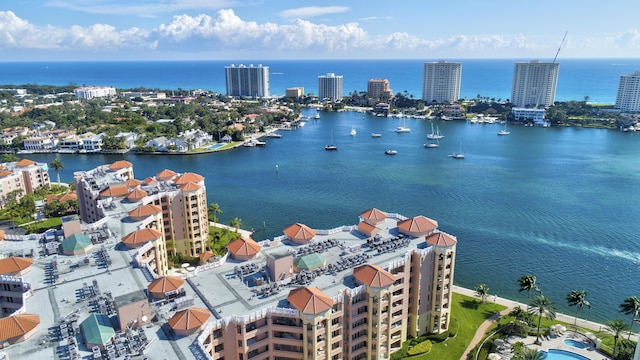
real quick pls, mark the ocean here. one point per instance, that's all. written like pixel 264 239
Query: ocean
pixel 596 79
pixel 560 203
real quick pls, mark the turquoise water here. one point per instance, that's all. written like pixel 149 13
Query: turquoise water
pixel 215 146
pixel 575 343
pixel 554 354
pixel 561 203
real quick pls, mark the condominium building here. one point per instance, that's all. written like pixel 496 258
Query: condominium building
pixel 294 92
pixel 250 81
pixel 167 212
pixel 330 87
pixel 25 176
pixel 379 89
pixel 441 82
pixel 628 98
pixel 330 294
pixel 534 83
pixel 90 92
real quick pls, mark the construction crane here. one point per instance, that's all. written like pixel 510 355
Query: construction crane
pixel 553 62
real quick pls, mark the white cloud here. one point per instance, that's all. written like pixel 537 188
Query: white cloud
pixel 142 8
pixel 312 11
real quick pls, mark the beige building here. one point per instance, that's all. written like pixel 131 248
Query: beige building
pixel 25 175
pixel 379 89
pixel 294 92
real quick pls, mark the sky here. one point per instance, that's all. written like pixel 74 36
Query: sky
pixel 87 30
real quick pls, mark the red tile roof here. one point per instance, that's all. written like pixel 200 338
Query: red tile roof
pixel 373 276
pixel 365 226
pixel 166 174
pixel 244 247
pixel 165 284
pixel 187 178
pixel 374 215
pixel 131 183
pixel 441 239
pixel 5 173
pixel 13 265
pixel 299 231
pixel 189 319
pixel 141 236
pixel 17 325
pixel 25 163
pixel 206 255
pixel 418 224
pixel 136 195
pixel 190 187
pixel 120 164
pixel 115 190
pixel 309 300
pixel 68 196
pixel 144 211
pixel 150 181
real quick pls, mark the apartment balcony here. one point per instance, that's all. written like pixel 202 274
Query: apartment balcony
pixel 288 341
pixel 261 356
pixel 253 343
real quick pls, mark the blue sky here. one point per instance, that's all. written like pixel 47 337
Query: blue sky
pixel 32 30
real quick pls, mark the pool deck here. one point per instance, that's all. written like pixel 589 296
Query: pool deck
pixel 556 343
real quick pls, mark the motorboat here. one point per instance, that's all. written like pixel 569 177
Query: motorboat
pixel 431 144
pixel 274 135
pixel 376 135
pixel 402 129
pixel 391 152
pixel 353 131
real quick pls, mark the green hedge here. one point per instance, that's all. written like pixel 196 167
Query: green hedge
pixel 423 347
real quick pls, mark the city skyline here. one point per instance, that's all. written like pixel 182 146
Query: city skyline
pixel 49 30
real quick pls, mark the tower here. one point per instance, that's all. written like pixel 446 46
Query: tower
pixel 249 80
pixel 330 87
pixel 534 83
pixel 628 97
pixel 441 82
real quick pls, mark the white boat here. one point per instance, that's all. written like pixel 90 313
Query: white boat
pixel 435 135
pixel 301 124
pixel 353 131
pixel 376 135
pixel 457 155
pixel 504 131
pixel 254 143
pixel 432 144
pixel 333 145
pixel 391 152
pixel 274 135
pixel 317 115
pixel 403 128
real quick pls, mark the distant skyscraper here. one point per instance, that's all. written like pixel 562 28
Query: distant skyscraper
pixel 330 87
pixel 441 82
pixel 628 98
pixel 379 89
pixel 534 83
pixel 247 80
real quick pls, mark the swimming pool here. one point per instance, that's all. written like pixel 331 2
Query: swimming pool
pixel 215 146
pixel 575 343
pixel 555 354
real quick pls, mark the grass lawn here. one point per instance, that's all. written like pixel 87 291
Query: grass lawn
pixel 469 313
pixel 44 225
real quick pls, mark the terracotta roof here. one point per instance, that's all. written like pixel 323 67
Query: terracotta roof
pixel 14 264
pixel 244 246
pixel 299 231
pixel 17 325
pixel 50 198
pixel 136 195
pixel 190 187
pixel 165 284
pixel 442 239
pixel 120 164
pixel 166 174
pixel 374 215
pixel 68 196
pixel 206 255
pixel 5 173
pixel 25 163
pixel 373 275
pixel 418 224
pixel 189 319
pixel 131 183
pixel 187 178
pixel 141 236
pixel 309 300
pixel 150 181
pixel 363 225
pixel 115 190
pixel 145 210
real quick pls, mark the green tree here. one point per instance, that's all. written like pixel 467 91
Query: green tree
pixel 578 298
pixel 214 210
pixel 527 283
pixel 482 291
pixel 521 315
pixel 236 223
pixel 542 306
pixel 630 306
pixel 616 327
pixel 57 166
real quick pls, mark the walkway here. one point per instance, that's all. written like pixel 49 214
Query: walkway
pixel 244 233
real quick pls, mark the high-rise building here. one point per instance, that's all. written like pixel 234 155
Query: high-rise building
pixel 534 83
pixel 379 89
pixel 330 87
pixel 20 178
pixel 441 82
pixel 628 98
pixel 249 80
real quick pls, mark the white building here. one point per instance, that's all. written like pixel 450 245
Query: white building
pixel 330 87
pixel 90 92
pixel 39 143
pixel 528 114
pixel 441 82
pixel 628 98
pixel 534 83
pixel 252 81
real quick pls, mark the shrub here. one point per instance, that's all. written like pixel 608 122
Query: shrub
pixel 453 328
pixel 421 348
pixel 438 337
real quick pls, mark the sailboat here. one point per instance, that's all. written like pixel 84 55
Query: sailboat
pixel 353 131
pixel 432 144
pixel 459 154
pixel 403 128
pixel 435 135
pixel 333 145
pixel 504 131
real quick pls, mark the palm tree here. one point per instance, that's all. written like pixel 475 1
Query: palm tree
pixel 482 291
pixel 57 166
pixel 630 306
pixel 616 327
pixel 214 209
pixel 531 354
pixel 236 223
pixel 527 283
pixel 578 298
pixel 542 306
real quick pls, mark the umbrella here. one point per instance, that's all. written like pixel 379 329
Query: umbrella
pixel 494 356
